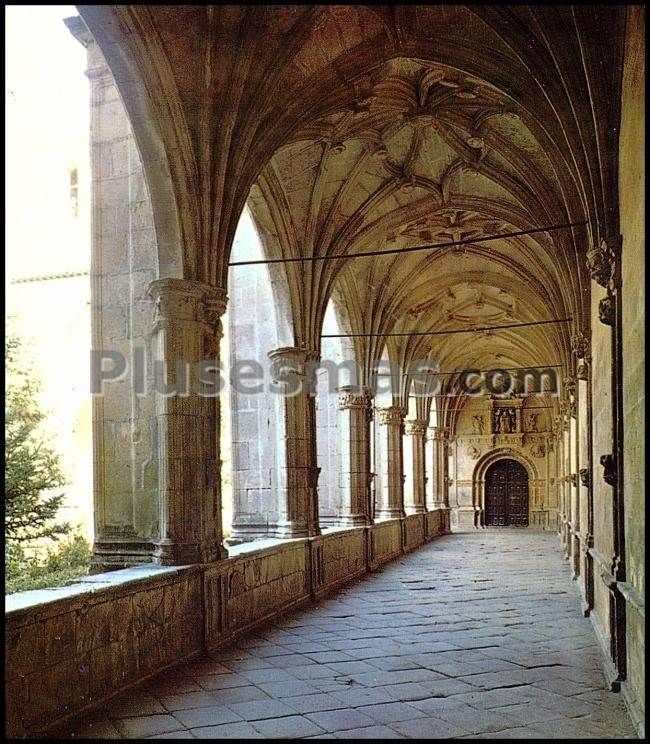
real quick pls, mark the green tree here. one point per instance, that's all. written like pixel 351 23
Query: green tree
pixel 31 465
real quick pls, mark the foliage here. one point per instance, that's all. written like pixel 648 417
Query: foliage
pixel 63 563
pixel 31 465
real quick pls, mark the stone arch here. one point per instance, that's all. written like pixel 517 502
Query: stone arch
pixel 480 471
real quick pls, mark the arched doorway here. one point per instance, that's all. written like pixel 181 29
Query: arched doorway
pixel 506 494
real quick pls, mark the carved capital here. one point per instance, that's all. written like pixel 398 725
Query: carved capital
pixel 573 478
pixel 601 259
pixel 416 427
pixel 294 360
pixel 391 415
pixel 582 370
pixel 353 397
pixel 580 345
pixel 184 300
pixel 609 469
pixel 441 434
pixel 606 310
pixel 585 477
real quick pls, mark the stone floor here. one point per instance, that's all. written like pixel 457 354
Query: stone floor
pixel 477 635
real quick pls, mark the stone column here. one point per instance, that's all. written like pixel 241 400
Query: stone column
pixel 431 462
pixel 355 404
pixel 187 330
pixel 391 422
pixel 441 491
pixel 580 345
pixel 297 476
pixel 417 430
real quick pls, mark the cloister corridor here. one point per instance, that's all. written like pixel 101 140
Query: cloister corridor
pixel 475 635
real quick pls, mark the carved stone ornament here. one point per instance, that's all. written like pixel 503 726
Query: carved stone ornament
pixel 391 415
pixel 353 398
pixel 473 453
pixel 585 477
pixel 609 469
pixel 574 479
pixel 537 449
pixel 582 371
pixel 569 385
pixel 416 426
pixel 606 310
pixel 600 262
pixel 580 345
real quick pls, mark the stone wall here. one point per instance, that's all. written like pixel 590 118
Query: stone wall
pixel 631 189
pixel 70 649
pixel 532 444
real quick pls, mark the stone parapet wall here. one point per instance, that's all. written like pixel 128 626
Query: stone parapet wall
pixel 72 648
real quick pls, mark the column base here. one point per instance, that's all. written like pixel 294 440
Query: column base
pixel 353 520
pixel 114 554
pixel 170 553
pixel 390 514
pixel 419 509
pixel 291 531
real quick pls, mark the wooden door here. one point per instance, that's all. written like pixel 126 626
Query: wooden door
pixel 506 495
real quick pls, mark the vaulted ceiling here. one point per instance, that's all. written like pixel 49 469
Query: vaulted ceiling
pixel 364 128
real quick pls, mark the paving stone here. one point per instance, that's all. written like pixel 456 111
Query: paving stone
pixel 188 700
pixel 257 710
pixel 315 703
pixel 173 735
pixel 223 681
pixel 290 727
pixel 266 675
pixel 341 720
pixel 391 712
pixel 228 731
pixel 428 728
pixel 315 671
pixel 143 726
pixel 429 647
pixel 196 717
pixel 239 695
pixel 371 732
pixel 287 688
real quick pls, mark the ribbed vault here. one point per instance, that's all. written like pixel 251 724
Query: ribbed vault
pixel 357 129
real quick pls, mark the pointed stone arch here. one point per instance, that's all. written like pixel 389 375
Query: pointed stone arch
pixel 480 470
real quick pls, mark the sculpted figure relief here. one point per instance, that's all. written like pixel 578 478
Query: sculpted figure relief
pixel 478 424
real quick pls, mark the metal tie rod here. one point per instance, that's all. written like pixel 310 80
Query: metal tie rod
pixel 444 333
pixel 411 249
pixel 495 367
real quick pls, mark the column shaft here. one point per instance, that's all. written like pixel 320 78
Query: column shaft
pixel 391 422
pixel 417 430
pixel 187 330
pixel 355 456
pixel 297 481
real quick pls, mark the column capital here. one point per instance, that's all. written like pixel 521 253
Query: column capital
pixel 187 300
pixel 352 396
pixel 440 433
pixel 416 427
pixel 294 355
pixel 391 415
